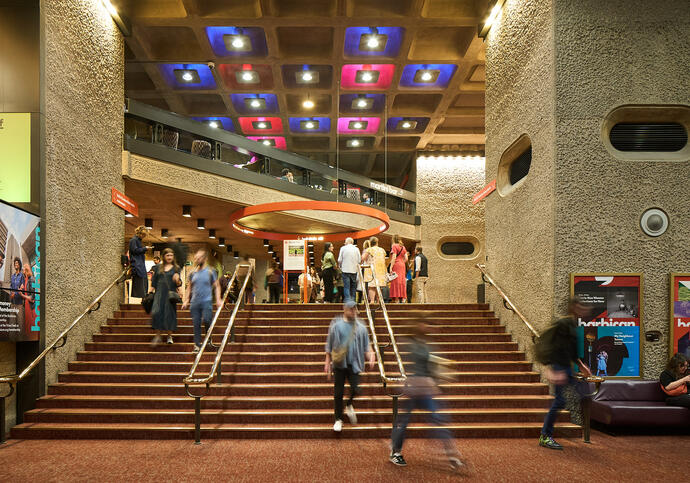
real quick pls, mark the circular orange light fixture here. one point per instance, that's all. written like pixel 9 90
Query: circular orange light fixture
pixel 378 215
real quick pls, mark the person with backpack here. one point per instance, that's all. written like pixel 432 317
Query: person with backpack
pixel 198 297
pixel 346 347
pixel 556 348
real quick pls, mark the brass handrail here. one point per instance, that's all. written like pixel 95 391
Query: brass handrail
pixel 382 371
pixel 190 379
pixel 12 380
pixel 507 303
pixel 93 306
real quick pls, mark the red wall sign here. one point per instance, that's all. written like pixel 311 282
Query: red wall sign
pixel 486 191
pixel 125 203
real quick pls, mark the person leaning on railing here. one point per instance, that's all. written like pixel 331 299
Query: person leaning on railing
pixel 675 381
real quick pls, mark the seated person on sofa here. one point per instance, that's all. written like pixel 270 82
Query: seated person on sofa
pixel 675 380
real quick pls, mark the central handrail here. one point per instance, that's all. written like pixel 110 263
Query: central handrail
pixel 507 303
pixel 382 371
pixel 190 379
pixel 12 380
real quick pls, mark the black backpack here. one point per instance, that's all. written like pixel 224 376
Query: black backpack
pixel 544 346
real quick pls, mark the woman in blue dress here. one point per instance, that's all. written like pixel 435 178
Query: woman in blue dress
pixel 166 278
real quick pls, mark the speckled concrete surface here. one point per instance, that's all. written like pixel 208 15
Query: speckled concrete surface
pixel 82 99
pixel 608 458
pixel 444 201
pixel 607 55
pixel 520 100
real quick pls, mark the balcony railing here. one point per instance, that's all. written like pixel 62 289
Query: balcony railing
pixel 163 135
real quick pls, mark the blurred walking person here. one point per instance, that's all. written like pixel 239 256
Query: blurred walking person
pixel 203 285
pixel 165 283
pixel 137 261
pixel 421 387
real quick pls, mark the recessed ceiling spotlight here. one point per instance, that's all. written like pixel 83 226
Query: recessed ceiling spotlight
pixel 214 124
pixel 237 43
pixel 187 211
pixel 187 76
pixel 362 102
pixel 268 142
pixel 373 42
pixel 357 125
pixel 221 242
pixel 307 77
pixel 148 223
pixel 261 124
pixel 255 103
pixel 407 124
pixel 426 76
pixel 266 242
pixel 164 233
pixel 247 77
pixel 270 249
pixel 353 143
pixel 308 104
pixel 236 254
pixel 367 76
pixel 200 224
pixel 228 248
pixel 309 125
pixel 212 233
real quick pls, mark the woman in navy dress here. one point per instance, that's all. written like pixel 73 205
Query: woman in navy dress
pixel 165 279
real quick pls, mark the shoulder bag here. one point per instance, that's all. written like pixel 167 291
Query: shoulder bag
pixel 173 296
pixel 338 354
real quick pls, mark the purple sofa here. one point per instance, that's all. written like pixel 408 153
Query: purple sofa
pixel 632 402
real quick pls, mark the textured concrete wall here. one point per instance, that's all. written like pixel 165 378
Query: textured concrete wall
pixel 82 99
pixel 157 172
pixel 444 201
pixel 610 54
pixel 520 100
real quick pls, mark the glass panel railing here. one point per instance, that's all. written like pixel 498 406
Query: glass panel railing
pixel 163 129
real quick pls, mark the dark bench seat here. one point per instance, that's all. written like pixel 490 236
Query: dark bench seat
pixel 636 403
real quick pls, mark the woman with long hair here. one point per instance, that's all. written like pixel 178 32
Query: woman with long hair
pixel 273 278
pixel 397 265
pixel 375 256
pixel 675 381
pixel 315 284
pixel 328 271
pixel 165 279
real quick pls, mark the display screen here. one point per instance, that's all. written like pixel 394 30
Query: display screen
pixel 20 274
pixel 15 157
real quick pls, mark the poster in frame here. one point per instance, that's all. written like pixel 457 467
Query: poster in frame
pixel 679 333
pixel 610 339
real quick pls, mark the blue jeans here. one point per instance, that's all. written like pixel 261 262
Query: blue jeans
pixel 427 403
pixel 202 311
pixel 349 286
pixel 559 400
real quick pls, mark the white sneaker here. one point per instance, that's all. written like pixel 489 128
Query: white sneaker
pixel 155 341
pixel 338 426
pixel 196 349
pixel 169 341
pixel 352 416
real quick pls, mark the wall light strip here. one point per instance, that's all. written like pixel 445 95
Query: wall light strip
pixel 495 10
pixel 121 21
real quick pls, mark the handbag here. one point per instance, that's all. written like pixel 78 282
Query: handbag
pixel 679 391
pixel 338 354
pixel 173 296
pixel 390 276
pixel 147 302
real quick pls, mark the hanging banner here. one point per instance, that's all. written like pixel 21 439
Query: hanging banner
pixel 680 314
pixel 294 255
pixel 610 338
pixel 15 157
pixel 20 274
pixel 124 202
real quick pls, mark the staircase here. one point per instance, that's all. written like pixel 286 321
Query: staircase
pixel 273 385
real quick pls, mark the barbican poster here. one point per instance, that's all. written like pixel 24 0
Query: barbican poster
pixel 680 313
pixel 609 338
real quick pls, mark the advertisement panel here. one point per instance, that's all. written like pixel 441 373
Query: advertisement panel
pixel 680 314
pixel 20 274
pixel 610 338
pixel 294 255
pixel 15 157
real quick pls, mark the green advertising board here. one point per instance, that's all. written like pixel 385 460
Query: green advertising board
pixel 15 157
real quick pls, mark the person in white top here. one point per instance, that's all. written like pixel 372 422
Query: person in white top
pixel 348 260
pixel 421 275
pixel 304 281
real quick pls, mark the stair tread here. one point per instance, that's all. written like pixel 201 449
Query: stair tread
pixel 444 397
pixel 260 374
pixel 278 411
pixel 286 385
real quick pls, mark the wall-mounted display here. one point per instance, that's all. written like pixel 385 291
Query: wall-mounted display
pixel 609 338
pixel 294 255
pixel 680 314
pixel 20 274
pixel 15 157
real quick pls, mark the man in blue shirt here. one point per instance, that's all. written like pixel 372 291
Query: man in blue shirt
pixel 202 283
pixel 347 333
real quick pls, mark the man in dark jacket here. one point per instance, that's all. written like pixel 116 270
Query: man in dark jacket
pixel 559 367
pixel 140 281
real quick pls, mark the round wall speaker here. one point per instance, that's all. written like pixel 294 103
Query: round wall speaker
pixel 654 222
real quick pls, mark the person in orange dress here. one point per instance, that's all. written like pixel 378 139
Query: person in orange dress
pixel 398 262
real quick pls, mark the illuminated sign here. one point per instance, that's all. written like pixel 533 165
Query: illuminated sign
pixel 386 188
pixel 15 157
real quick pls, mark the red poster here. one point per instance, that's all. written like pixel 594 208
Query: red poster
pixel 124 202
pixel 680 313
pixel 486 191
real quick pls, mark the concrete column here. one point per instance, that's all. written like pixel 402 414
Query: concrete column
pixel 555 70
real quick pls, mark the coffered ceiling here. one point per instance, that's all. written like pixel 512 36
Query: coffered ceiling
pixel 364 83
